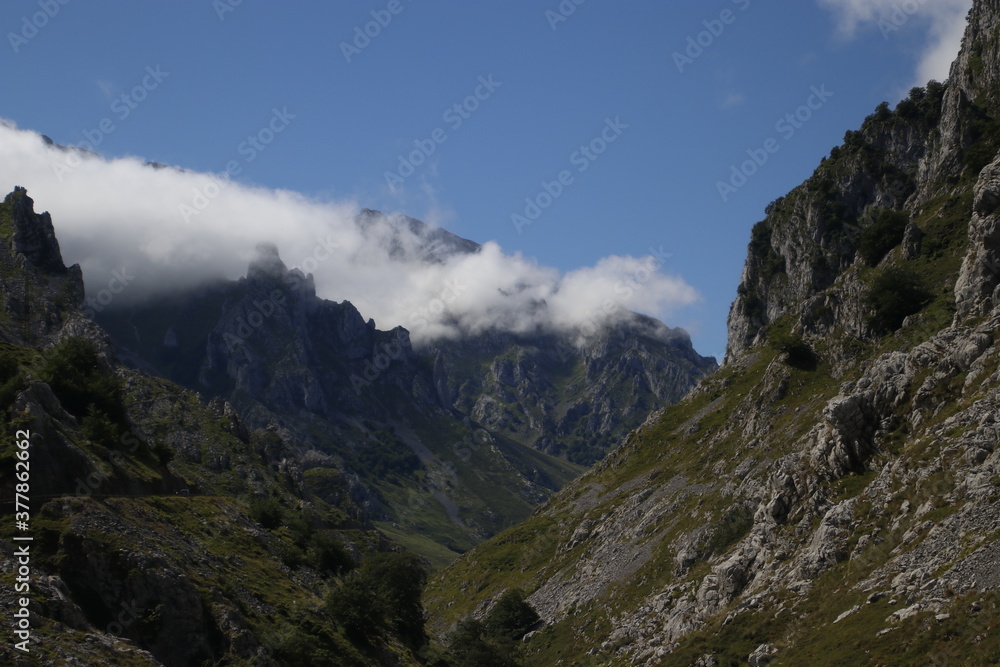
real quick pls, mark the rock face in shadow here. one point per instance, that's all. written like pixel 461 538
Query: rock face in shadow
pixel 37 289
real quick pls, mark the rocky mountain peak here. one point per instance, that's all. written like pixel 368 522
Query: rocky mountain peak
pixel 38 293
pixel 410 239
pixel 32 234
pixel 267 262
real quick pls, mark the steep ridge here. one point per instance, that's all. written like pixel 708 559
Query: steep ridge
pixel 827 497
pixel 164 531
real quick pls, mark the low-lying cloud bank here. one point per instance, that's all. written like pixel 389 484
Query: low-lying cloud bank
pixel 166 229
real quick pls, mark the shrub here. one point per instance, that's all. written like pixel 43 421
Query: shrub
pixel 327 554
pixel 494 641
pixel 895 293
pixel 385 592
pixel 512 616
pixel 355 606
pixel 266 511
pixel 735 525
pixel 11 380
pixel 882 235
pixel 83 382
pixel 771 263
pixel 470 645
pixel 798 353
pixel 98 427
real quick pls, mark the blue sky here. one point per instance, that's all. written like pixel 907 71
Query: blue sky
pixel 534 84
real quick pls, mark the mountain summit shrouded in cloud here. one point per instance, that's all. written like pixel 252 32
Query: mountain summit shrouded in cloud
pixel 147 230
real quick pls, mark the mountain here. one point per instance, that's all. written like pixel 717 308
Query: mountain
pixel 444 444
pixel 570 400
pixel 164 530
pixel 409 239
pixel 827 497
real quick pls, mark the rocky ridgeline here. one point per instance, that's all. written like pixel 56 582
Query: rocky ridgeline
pixel 828 496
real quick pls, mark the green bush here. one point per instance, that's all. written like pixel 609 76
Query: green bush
pixel 882 235
pixel 327 554
pixel 98 427
pixel 798 353
pixel 771 263
pixel 511 617
pixel 267 512
pixel 494 641
pixel 355 605
pixel 472 647
pixel 83 383
pixel 894 294
pixel 735 525
pixel 384 593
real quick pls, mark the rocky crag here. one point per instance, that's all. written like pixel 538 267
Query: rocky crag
pixel 829 496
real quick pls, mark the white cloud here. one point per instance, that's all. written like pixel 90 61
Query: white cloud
pixel 121 214
pixel 943 20
pixel 732 100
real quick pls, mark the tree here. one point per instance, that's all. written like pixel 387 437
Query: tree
pixel 80 378
pixel 384 593
pixel 894 294
pixel 470 645
pixel 399 580
pixel 885 233
pixel 356 606
pixel 512 616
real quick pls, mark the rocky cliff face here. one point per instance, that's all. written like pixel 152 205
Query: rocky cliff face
pixel 571 400
pixel 829 496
